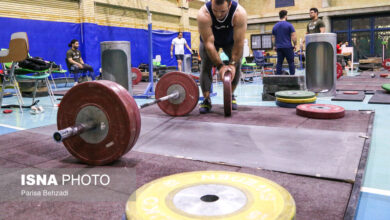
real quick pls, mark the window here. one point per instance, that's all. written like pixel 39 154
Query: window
pixel 381 37
pixel 342 37
pixel 361 43
pixel 283 3
pixel 382 22
pixel 367 34
pixel 360 23
pixel 340 25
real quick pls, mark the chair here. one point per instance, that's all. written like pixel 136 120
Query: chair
pixel 75 72
pixel 248 69
pixel 260 59
pixel 23 74
pixel 17 51
pixel 60 71
pixel 39 76
pixel 261 62
pixel 35 75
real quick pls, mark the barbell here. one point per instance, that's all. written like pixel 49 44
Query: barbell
pixel 99 121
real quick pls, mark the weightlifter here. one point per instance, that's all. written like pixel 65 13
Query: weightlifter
pixel 221 24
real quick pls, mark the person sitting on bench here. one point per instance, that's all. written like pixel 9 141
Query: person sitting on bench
pixel 75 63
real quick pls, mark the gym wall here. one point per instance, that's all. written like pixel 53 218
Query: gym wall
pixel 193 9
pixel 52 24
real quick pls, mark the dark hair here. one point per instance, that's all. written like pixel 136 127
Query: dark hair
pixel 314 9
pixel 72 42
pixel 220 2
pixel 282 14
pixel 179 33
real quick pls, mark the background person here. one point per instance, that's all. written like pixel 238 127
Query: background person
pixel 179 42
pixel 282 34
pixel 316 25
pixel 75 62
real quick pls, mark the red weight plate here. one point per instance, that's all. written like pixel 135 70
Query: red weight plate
pixel 138 73
pixel 351 92
pixel 339 70
pixel 227 94
pixel 189 98
pixel 384 75
pixel 320 111
pixel 386 64
pixel 120 110
pixel 136 114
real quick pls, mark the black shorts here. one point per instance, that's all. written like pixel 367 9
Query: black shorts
pixel 179 57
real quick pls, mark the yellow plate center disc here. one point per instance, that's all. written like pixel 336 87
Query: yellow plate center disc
pixel 211 195
pixel 297 101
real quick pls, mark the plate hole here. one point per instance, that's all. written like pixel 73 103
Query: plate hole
pixel 209 198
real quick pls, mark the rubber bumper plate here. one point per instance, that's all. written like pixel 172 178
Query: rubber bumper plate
pixel 386 87
pixel 320 111
pixel 289 105
pixel 107 104
pixel 295 94
pixel 227 94
pixel 297 101
pixel 350 92
pixel 211 195
pixel 188 93
pixel 138 75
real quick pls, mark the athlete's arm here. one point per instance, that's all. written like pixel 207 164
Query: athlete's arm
pixel 206 33
pixel 240 25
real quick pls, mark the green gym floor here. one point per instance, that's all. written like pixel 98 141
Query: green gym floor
pixel 374 200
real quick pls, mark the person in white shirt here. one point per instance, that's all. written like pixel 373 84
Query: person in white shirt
pixel 179 42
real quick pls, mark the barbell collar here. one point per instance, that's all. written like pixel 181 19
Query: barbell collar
pixel 68 132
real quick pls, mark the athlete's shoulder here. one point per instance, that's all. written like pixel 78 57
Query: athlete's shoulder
pixel 240 16
pixel 204 15
pixel 240 11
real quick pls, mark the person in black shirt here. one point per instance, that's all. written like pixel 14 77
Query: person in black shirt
pixel 75 62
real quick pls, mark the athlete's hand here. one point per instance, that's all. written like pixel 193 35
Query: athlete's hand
pixel 226 68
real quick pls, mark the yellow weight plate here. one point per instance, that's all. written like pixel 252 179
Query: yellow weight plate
pixel 296 101
pixel 211 195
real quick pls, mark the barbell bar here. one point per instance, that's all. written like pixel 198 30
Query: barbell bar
pixel 99 121
pixel 89 125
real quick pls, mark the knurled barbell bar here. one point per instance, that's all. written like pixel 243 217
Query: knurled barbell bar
pixel 99 121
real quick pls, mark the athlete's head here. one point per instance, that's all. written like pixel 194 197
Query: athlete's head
pixel 220 8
